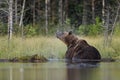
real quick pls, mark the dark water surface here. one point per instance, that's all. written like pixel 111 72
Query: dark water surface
pixel 60 70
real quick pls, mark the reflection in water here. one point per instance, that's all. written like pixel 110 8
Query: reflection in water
pixel 80 74
pixel 81 71
pixel 59 70
pixel 33 71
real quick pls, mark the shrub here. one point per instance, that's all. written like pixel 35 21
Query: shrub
pixel 117 30
pixel 30 30
pixel 92 29
pixel 3 29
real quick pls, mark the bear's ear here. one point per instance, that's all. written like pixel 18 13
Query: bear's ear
pixel 70 32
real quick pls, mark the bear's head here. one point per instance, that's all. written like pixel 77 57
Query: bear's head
pixel 67 37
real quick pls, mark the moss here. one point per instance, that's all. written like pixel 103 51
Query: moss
pixel 32 58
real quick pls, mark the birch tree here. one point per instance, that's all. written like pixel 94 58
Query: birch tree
pixel 61 13
pixel 110 14
pixel 104 24
pixel 16 12
pixel 34 12
pixel 84 18
pixel 93 11
pixel 22 12
pixel 46 16
pixel 10 20
pixel 66 9
pixel 115 21
pixel 53 11
pixel 21 17
pixel 103 12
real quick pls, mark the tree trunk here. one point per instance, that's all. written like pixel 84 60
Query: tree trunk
pixel 53 12
pixel 103 12
pixel 66 9
pixel 22 12
pixel 46 16
pixel 115 21
pixel 105 26
pixel 49 10
pixel 105 22
pixel 84 19
pixel 33 12
pixel 16 10
pixel 21 18
pixel 93 11
pixel 38 4
pixel 10 20
pixel 61 13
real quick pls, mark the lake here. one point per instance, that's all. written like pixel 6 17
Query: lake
pixel 60 70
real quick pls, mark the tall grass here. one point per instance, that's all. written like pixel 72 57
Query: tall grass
pixel 46 46
pixel 51 47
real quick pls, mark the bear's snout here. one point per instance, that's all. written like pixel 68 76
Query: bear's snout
pixel 59 34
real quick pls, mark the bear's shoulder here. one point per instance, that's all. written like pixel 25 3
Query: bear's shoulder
pixel 81 41
pixel 81 44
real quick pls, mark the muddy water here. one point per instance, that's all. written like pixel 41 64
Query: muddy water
pixel 60 70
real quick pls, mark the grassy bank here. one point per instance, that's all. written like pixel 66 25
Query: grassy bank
pixel 46 46
pixel 51 47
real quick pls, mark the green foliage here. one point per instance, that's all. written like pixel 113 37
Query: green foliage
pixel 75 12
pixel 3 29
pixel 82 30
pixel 92 29
pixel 30 30
pixel 117 30
pixel 95 29
pixel 67 22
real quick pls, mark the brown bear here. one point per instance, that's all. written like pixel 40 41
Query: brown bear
pixel 78 48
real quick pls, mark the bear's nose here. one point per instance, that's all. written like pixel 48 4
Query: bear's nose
pixel 58 34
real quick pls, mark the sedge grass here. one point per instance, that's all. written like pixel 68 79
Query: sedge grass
pixel 46 46
pixel 52 47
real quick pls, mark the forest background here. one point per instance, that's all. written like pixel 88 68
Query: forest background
pixel 29 26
